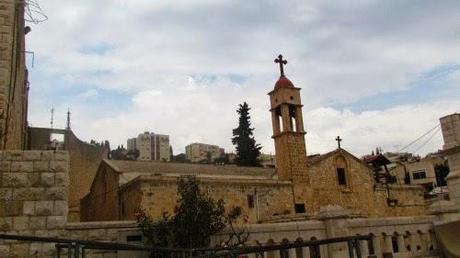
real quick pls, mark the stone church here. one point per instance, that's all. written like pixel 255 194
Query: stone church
pixel 296 189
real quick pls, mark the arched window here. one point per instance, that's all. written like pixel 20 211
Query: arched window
pixel 341 172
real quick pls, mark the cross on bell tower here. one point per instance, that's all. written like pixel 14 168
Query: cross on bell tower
pixel 288 130
pixel 282 62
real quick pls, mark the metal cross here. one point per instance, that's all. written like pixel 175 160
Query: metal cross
pixel 282 62
pixel 338 140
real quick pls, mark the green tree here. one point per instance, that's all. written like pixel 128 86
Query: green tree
pixel 197 217
pixel 247 150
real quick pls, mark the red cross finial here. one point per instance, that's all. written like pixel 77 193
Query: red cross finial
pixel 282 62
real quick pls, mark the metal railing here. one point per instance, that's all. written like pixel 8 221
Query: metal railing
pixel 78 248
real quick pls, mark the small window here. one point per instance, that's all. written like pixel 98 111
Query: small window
pixel 292 98
pixel 419 174
pixel 341 176
pixel 250 201
pixel 299 208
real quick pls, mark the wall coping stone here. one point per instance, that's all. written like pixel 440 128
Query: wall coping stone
pixel 100 225
pixel 332 212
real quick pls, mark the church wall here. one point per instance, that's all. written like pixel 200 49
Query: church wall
pixel 159 195
pixel 410 201
pixel 358 195
pixel 130 200
pixel 323 188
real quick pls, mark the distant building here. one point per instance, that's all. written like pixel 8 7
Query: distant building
pixel 151 146
pixel 405 168
pixel 267 160
pixel 203 153
pixel 131 144
pixel 423 172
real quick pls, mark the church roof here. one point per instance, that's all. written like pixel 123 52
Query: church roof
pixel 283 82
pixel 132 169
pixel 315 159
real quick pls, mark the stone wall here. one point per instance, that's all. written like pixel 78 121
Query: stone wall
pixel 13 76
pixel 399 236
pixel 101 204
pixel 157 193
pixel 84 162
pixel 269 197
pixel 33 196
pixel 359 195
pixel 34 202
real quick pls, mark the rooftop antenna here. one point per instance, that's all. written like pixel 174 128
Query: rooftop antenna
pixel 68 119
pixel 52 117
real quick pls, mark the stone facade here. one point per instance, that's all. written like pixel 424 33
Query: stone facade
pixel 358 193
pixel 34 202
pixel 123 187
pixel 451 133
pixel 288 131
pixel 450 126
pixel 84 162
pixel 14 85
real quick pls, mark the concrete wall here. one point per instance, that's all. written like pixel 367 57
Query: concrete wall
pixel 13 76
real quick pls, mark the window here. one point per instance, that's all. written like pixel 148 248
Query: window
pixel 299 208
pixel 250 201
pixel 419 174
pixel 341 176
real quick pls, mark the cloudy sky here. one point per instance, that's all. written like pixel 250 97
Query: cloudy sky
pixel 377 73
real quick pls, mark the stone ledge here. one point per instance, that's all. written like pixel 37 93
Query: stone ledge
pixel 100 225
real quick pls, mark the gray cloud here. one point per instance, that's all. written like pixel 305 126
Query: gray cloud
pixel 157 52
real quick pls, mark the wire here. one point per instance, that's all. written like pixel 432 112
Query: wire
pixel 414 141
pixel 428 140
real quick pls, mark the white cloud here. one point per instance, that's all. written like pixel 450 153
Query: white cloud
pixel 174 63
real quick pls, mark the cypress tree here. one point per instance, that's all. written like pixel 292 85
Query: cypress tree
pixel 247 150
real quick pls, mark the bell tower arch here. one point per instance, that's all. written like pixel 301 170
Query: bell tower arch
pixel 288 129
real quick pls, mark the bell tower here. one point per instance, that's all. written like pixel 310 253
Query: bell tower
pixel 288 130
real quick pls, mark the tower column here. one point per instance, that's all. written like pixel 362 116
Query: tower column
pixel 299 119
pixel 275 123
pixel 287 125
pixel 291 158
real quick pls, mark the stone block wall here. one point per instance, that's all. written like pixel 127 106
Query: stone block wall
pixel 33 198
pixel 450 126
pixel 157 195
pixel 84 162
pixel 13 76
